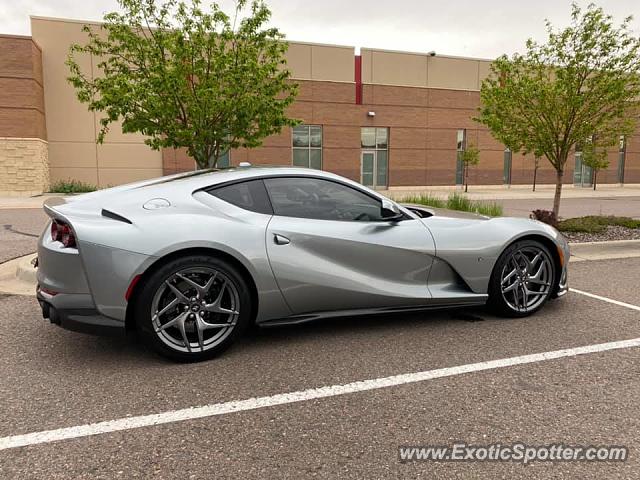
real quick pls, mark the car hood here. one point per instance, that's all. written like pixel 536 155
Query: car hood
pixel 445 212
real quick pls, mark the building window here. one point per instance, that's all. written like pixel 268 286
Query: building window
pixel 307 146
pixel 374 158
pixel 622 153
pixel 461 145
pixel 225 160
pixel 506 171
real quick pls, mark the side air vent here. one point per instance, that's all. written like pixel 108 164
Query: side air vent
pixel 115 216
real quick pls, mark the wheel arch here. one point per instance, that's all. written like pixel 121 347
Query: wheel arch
pixel 553 250
pixel 185 252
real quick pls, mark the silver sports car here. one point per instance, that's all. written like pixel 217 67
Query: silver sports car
pixel 191 260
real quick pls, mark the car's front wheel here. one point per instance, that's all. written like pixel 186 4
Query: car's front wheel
pixel 522 279
pixel 193 308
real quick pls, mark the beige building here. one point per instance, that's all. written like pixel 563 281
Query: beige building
pixel 388 119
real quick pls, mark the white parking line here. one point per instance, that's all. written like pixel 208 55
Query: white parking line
pixel 299 396
pixel 605 299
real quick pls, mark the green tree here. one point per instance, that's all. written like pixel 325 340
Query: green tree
pixel 470 156
pixel 186 76
pixel 595 155
pixel 584 79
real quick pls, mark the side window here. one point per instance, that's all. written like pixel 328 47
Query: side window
pixel 250 195
pixel 320 200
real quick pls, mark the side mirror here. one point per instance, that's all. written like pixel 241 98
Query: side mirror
pixel 390 211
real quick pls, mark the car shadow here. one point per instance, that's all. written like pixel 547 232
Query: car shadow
pixel 378 323
pixel 72 347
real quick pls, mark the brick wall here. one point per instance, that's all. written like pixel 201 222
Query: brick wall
pixel 422 123
pixel 21 88
pixel 24 166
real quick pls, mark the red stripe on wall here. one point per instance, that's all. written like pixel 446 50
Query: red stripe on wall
pixel 358 79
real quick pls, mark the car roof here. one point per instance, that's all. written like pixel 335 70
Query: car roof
pixel 211 177
pixel 185 184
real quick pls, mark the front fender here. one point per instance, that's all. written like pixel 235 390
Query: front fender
pixel 472 246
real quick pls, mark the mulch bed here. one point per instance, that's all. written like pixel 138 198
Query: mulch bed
pixel 612 232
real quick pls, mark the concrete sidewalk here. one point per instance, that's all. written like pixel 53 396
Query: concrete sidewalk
pixel 10 203
pixel 502 192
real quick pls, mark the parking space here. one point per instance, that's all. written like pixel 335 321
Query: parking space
pixel 53 379
pixel 615 279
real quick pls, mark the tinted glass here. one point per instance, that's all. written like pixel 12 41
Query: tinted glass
pixel 300 157
pixel 368 137
pixel 315 158
pixel 367 169
pixel 315 135
pixel 301 136
pixel 224 160
pixel 460 140
pixel 381 169
pixel 250 195
pixel 320 200
pixel 382 138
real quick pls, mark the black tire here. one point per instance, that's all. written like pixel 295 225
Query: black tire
pixel 151 287
pixel 498 302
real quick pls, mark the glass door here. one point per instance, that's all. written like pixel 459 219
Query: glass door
pixel 582 174
pixel 506 169
pixel 367 168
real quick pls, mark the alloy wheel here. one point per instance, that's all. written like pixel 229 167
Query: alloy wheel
pixel 526 278
pixel 195 309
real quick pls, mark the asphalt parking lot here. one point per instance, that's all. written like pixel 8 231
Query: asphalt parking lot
pixel 51 379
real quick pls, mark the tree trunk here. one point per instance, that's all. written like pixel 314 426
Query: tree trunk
pixel 199 157
pixel 595 178
pixel 535 175
pixel 466 178
pixel 556 198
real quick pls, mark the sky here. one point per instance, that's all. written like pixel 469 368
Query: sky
pixel 472 28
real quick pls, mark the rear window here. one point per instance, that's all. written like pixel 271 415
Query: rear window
pixel 250 195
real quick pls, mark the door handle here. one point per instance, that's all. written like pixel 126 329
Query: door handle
pixel 281 239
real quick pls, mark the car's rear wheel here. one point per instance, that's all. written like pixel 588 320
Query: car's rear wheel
pixel 193 308
pixel 522 279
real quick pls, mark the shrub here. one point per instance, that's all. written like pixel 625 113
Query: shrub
pixel 545 216
pixel 425 199
pixel 72 186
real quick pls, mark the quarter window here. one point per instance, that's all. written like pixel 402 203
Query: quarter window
pixel 250 195
pixel 320 199
pixel 307 146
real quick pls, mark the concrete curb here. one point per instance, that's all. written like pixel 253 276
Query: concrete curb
pixel 18 277
pixel 604 250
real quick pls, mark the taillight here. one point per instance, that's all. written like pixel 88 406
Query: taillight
pixel 61 232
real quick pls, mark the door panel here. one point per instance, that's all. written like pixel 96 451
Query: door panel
pixel 341 265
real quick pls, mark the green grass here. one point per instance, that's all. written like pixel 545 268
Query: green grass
pixel 425 199
pixel 595 224
pixel 72 186
pixel 456 201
